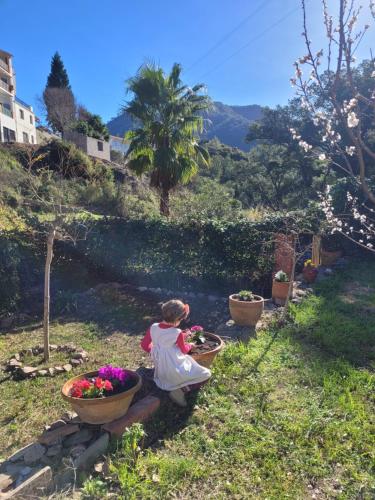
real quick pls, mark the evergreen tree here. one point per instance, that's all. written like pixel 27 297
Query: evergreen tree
pixel 58 77
pixel 58 97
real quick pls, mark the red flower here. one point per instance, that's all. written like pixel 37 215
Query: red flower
pixel 99 383
pixel 108 386
pixel 76 392
pixel 85 384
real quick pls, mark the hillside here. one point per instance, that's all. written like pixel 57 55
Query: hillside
pixel 228 123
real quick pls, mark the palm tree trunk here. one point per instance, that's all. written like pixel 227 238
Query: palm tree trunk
pixel 164 202
pixel 47 274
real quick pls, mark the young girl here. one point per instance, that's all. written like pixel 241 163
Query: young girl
pixel 175 370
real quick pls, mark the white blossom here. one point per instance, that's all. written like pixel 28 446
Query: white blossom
pixel 350 150
pixel 352 120
pixel 322 157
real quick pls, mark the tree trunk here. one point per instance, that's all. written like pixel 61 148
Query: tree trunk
pixel 47 274
pixel 164 202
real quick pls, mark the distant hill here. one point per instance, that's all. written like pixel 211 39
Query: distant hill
pixel 228 123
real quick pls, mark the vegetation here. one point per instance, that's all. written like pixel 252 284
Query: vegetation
pixel 288 415
pixel 90 125
pixel 58 96
pixel 169 117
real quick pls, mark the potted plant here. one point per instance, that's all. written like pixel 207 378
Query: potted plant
pixel 246 308
pixel 280 288
pixel 310 271
pixel 206 345
pixel 102 396
pixel 331 251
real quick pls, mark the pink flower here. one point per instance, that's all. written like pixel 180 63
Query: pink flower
pixel 196 328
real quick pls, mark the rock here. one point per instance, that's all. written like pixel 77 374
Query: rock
pixel 51 371
pixel 82 436
pixel 53 347
pixel 77 450
pixel 13 364
pixel 14 469
pixel 54 450
pixel 17 356
pixel 69 415
pixel 92 453
pixel 55 425
pixel 80 355
pixel 52 436
pixel 26 471
pixel 59 369
pixel 5 481
pixel 68 367
pixel 75 362
pixel 142 288
pixel 33 453
pixel 42 373
pixel 26 371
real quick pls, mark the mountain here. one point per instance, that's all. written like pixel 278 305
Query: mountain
pixel 228 123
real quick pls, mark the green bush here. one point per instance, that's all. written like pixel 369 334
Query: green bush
pixel 221 254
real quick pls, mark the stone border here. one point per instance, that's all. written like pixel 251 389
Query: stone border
pixel 19 370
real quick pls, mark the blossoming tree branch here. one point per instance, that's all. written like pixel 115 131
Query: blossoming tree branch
pixel 341 111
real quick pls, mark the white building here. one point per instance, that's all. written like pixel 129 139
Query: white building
pixel 17 119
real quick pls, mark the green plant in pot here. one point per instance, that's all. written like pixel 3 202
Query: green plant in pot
pixel 280 288
pixel 246 308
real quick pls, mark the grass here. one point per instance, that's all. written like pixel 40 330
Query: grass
pixel 109 329
pixel 289 415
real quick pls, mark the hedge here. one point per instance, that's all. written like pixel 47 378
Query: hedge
pixel 208 254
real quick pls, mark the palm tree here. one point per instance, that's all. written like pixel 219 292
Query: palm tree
pixel 169 118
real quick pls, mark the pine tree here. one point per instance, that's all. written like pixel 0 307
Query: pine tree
pixel 58 97
pixel 58 77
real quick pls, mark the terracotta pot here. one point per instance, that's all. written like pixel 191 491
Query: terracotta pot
pixel 206 358
pixel 329 258
pixel 310 274
pixel 101 410
pixel 246 313
pixel 280 292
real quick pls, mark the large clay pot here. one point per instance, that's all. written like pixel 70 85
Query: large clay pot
pixel 246 313
pixel 206 358
pixel 310 274
pixel 101 410
pixel 329 258
pixel 280 292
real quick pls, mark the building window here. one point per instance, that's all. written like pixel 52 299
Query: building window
pixel 31 119
pixel 32 139
pixel 22 114
pixel 25 137
pixel 9 135
pixel 100 146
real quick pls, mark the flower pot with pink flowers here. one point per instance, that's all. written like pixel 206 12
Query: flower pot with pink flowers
pixel 310 272
pixel 102 396
pixel 206 345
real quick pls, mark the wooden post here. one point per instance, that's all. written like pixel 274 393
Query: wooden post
pixel 47 274
pixel 316 249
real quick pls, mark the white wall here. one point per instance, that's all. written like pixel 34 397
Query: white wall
pixel 24 125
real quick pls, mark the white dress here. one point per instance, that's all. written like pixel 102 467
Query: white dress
pixel 173 369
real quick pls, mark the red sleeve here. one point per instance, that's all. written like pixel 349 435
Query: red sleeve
pixel 147 341
pixel 185 348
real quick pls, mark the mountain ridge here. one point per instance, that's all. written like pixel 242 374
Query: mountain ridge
pixel 228 123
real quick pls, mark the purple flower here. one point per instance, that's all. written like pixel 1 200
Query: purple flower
pixel 114 374
pixel 196 328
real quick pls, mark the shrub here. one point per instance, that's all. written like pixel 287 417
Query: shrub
pixel 220 254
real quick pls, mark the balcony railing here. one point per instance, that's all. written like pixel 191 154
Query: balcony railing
pixel 5 111
pixel 4 65
pixel 4 86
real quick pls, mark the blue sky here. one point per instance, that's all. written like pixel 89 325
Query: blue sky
pixel 242 49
